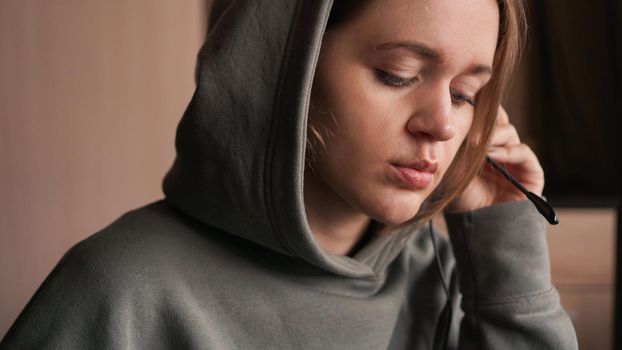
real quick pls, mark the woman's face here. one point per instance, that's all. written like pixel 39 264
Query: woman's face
pixel 395 86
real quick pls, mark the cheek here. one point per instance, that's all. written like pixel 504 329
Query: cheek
pixel 358 117
pixel 463 123
pixel 463 126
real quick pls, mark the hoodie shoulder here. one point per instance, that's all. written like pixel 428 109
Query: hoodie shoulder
pixel 138 242
pixel 122 286
pixel 155 245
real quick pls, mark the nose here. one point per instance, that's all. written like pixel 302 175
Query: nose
pixel 432 114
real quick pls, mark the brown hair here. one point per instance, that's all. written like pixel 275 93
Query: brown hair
pixel 470 157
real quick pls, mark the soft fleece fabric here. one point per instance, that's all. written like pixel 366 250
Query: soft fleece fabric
pixel 227 260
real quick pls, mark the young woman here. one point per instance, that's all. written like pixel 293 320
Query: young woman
pixel 320 140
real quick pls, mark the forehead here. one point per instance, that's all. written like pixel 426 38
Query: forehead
pixel 461 30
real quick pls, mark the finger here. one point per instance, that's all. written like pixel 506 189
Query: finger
pixel 502 117
pixel 519 154
pixel 505 134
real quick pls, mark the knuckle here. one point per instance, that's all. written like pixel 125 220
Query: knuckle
pixel 510 129
pixel 503 114
pixel 524 150
pixel 525 147
pixel 516 150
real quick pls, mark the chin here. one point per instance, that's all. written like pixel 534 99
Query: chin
pixel 398 210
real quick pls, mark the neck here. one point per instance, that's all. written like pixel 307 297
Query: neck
pixel 335 224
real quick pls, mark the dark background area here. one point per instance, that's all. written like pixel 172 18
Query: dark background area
pixel 573 118
pixel 575 90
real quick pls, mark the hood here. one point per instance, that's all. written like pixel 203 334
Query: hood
pixel 241 142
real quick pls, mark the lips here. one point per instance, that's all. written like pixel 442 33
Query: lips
pixel 422 165
pixel 416 175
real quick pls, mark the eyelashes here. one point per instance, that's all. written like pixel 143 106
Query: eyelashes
pixel 461 98
pixel 457 98
pixel 394 80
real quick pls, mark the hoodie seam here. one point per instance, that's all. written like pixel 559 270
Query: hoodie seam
pixel 277 107
pixel 515 299
pixel 467 233
pixel 309 56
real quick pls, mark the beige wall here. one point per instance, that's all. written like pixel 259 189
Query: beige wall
pixel 582 250
pixel 90 94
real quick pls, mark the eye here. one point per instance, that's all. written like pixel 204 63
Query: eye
pixel 458 99
pixel 393 80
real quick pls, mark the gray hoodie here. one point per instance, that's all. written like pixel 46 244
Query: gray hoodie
pixel 227 260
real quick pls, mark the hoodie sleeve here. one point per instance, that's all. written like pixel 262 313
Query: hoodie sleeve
pixel 507 297
pixel 85 303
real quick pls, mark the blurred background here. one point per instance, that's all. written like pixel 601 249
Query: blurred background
pixel 90 96
pixel 91 93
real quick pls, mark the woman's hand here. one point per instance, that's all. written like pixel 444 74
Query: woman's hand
pixel 490 187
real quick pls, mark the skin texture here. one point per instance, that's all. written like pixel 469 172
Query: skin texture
pixel 490 188
pixel 373 125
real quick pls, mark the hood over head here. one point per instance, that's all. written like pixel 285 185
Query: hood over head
pixel 241 142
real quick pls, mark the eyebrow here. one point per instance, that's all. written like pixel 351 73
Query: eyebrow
pixel 429 53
